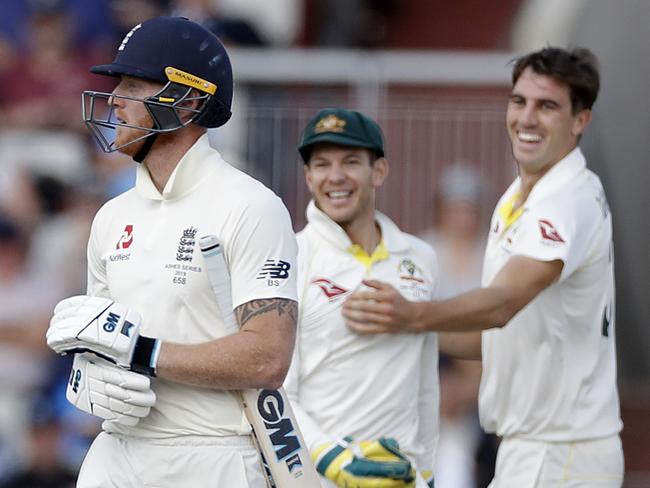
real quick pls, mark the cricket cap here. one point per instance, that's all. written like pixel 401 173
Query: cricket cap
pixel 342 127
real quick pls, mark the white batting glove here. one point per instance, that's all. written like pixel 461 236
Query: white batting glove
pixel 108 392
pixel 105 328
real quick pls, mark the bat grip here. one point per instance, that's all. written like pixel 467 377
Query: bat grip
pixel 219 278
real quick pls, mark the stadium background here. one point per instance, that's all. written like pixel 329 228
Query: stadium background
pixel 434 74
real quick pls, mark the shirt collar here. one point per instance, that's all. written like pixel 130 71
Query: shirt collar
pixel 330 231
pixel 559 175
pixel 189 172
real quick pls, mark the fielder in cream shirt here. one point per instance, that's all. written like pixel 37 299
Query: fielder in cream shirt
pixel 549 356
pixel 361 401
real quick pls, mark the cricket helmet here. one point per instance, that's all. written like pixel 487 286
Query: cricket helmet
pixel 185 57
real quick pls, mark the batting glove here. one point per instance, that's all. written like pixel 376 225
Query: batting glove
pixel 102 389
pixel 428 477
pixel 105 328
pixel 365 464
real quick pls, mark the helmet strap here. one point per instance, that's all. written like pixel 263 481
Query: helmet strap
pixel 146 147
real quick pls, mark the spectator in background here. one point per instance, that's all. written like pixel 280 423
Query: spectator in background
pixel 115 172
pixel 58 241
pixel 124 14
pixel 457 233
pixel 44 468
pixel 41 87
pixel 348 23
pixel 233 31
pixel 26 299
pixel 458 237
pixel 90 25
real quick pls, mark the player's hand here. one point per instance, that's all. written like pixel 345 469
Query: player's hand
pixel 108 392
pixel 379 308
pixel 105 328
pixel 365 464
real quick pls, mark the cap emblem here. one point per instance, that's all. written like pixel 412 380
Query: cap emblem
pixel 330 123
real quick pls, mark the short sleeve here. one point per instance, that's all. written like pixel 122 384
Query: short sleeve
pixel 261 252
pixel 553 232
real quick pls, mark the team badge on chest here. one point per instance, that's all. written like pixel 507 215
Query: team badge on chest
pixel 412 282
pixel 186 245
pixel 183 268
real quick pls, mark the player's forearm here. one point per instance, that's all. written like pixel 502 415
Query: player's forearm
pixel 476 310
pixel 461 345
pixel 240 361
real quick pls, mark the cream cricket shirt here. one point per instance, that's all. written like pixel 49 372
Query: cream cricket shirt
pixel 550 373
pixel 345 384
pixel 143 252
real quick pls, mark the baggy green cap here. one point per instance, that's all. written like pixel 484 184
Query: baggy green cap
pixel 343 127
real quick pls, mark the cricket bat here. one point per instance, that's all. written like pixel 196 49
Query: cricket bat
pixel 284 454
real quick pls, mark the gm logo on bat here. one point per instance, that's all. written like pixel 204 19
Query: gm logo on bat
pixel 270 405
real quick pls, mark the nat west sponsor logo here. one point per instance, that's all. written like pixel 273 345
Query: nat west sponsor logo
pixel 331 289
pixel 125 241
pixel 549 232
pixel 280 429
pixel 409 271
pixel 186 245
pixel 274 269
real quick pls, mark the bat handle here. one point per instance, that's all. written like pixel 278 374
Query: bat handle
pixel 219 278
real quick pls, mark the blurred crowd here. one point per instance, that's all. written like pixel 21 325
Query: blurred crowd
pixel 54 178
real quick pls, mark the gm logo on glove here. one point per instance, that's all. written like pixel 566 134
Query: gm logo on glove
pixel 111 323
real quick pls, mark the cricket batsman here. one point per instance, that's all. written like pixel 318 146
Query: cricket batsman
pixel 153 355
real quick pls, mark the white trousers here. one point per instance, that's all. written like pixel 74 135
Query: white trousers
pixel 125 462
pixel 586 464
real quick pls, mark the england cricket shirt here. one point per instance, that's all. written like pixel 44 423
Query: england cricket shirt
pixel 143 252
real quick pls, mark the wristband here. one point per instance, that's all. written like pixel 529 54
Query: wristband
pixel 145 355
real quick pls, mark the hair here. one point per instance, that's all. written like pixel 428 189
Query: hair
pixel 576 67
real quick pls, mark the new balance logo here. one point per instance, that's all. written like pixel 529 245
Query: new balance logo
pixel 274 270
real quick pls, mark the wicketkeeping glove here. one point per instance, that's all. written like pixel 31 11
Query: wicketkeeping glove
pixel 105 328
pixel 108 392
pixel 365 464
